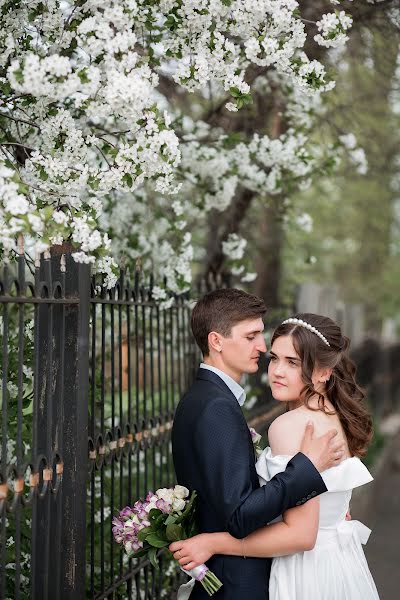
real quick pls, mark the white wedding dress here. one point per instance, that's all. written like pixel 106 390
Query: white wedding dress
pixel 336 568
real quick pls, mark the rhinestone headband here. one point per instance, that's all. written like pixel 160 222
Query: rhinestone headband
pixel 307 326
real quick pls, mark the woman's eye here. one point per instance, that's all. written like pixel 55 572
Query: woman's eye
pixel 250 337
pixel 272 358
pixel 293 363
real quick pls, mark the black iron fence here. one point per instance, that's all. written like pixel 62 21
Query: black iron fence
pixel 89 382
pixel 141 361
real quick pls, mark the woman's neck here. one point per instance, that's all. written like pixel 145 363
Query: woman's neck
pixel 314 403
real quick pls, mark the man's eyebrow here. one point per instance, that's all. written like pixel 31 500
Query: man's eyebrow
pixel 254 331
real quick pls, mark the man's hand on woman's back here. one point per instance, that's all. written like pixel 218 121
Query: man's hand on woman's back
pixel 325 451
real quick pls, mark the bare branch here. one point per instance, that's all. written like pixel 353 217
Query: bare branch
pixel 18 120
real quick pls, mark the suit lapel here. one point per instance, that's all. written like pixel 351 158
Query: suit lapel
pixel 213 378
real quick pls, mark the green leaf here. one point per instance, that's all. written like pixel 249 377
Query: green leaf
pixel 247 98
pixel 174 532
pixel 42 174
pixel 188 508
pixel 83 76
pixel 159 521
pixel 155 541
pixel 127 178
pixel 143 533
pixel 154 513
pixel 140 553
pixel 153 558
pixel 171 519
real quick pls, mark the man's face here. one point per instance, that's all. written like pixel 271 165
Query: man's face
pixel 241 351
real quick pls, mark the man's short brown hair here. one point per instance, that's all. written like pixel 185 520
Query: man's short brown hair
pixel 220 310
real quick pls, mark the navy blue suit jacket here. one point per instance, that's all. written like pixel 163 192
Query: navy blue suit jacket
pixel 213 454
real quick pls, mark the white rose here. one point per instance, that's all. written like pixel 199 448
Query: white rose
pixel 166 494
pixel 150 506
pixel 178 504
pixel 180 491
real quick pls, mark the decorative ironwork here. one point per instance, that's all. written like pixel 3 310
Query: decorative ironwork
pixel 141 359
pixel 89 383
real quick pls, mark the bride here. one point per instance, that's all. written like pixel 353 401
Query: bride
pixel 317 553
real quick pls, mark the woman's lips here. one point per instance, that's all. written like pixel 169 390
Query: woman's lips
pixel 278 383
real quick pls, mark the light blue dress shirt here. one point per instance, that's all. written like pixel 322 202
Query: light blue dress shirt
pixel 235 388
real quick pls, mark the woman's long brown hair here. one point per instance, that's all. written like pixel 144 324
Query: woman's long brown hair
pixel 342 389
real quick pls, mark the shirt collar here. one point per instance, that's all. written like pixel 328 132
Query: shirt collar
pixel 235 388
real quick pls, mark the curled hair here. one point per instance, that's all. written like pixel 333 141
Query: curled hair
pixel 342 389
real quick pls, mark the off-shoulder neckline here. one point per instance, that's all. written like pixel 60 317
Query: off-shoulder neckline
pixel 292 455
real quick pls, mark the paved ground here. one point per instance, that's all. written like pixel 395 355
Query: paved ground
pixel 383 548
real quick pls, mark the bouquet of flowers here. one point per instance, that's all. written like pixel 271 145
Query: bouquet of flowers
pixel 164 517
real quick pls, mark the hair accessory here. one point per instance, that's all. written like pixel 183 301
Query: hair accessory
pixel 307 326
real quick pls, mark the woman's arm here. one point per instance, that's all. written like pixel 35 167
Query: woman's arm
pixel 296 533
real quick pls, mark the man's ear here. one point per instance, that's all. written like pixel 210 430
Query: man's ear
pixel 214 341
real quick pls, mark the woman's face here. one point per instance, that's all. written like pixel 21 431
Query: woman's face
pixel 284 371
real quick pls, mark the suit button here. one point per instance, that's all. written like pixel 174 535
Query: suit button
pixel 298 503
pixel 313 493
pixel 309 496
pixel 304 500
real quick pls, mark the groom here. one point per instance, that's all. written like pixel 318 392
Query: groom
pixel 212 447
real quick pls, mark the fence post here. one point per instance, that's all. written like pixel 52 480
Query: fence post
pixel 60 429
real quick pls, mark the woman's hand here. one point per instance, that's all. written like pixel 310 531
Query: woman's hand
pixel 193 552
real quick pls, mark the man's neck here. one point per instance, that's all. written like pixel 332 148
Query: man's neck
pixel 219 364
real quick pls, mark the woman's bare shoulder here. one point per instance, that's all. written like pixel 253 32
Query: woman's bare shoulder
pixel 286 431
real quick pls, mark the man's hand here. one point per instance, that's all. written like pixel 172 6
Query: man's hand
pixel 325 451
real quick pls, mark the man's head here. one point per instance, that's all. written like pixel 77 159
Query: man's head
pixel 228 328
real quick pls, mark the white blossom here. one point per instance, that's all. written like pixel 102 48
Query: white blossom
pixel 102 147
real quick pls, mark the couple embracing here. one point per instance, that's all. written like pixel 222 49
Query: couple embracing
pixel 277 528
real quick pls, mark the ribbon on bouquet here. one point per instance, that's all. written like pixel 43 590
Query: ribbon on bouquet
pixel 205 577
pixel 198 573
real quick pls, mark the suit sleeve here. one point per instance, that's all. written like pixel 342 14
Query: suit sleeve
pixel 223 458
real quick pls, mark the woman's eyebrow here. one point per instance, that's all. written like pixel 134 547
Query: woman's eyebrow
pixel 287 357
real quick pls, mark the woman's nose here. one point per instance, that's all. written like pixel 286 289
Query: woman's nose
pixel 278 369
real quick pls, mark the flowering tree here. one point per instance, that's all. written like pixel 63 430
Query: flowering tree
pixel 118 124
